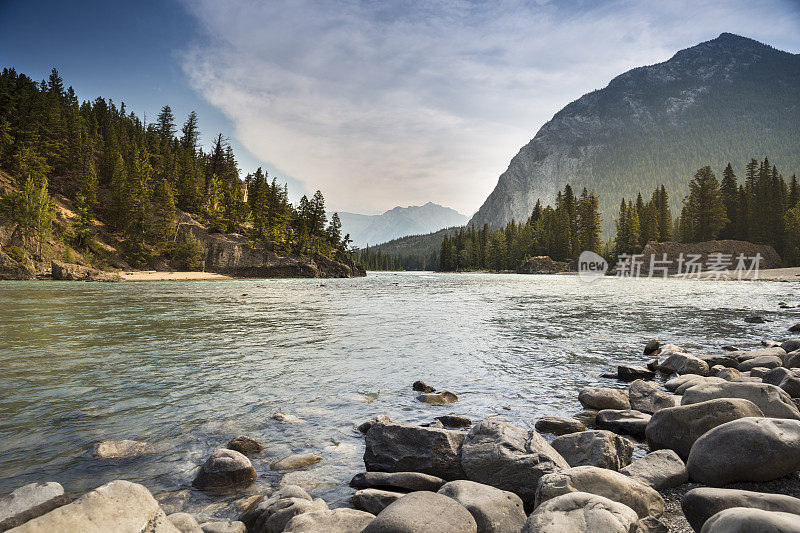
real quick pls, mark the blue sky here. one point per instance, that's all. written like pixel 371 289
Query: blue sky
pixel 377 103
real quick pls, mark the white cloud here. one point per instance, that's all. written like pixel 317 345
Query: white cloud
pixel 395 103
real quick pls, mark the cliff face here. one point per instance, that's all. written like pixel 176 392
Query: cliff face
pixel 725 100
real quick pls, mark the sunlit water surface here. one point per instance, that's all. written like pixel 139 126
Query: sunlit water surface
pixel 186 366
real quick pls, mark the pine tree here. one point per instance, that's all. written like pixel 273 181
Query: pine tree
pixel 704 206
pixel 730 199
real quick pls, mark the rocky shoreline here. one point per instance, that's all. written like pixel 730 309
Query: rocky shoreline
pixel 686 441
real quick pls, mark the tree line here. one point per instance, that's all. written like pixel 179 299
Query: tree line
pixel 135 176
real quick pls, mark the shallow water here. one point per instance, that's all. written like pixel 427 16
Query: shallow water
pixel 186 366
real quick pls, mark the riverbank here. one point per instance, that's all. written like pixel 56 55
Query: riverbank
pixel 152 275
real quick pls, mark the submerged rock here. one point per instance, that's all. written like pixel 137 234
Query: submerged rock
pixel 423 511
pixel 245 445
pixel 581 512
pixel 288 419
pixel 295 461
pixel 748 449
pixel 401 448
pixel 595 448
pixel 30 501
pixel 494 510
pixel 121 449
pixel 509 458
pixel 225 469
pixel 438 398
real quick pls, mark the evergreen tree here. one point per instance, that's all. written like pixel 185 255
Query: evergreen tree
pixel 704 206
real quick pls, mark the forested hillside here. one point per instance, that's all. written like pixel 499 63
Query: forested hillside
pixel 119 184
pixel 725 100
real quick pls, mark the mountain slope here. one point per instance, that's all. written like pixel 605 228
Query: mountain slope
pixel 399 222
pixel 728 99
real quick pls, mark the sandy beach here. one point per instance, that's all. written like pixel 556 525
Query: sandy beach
pixel 152 275
pixel 770 274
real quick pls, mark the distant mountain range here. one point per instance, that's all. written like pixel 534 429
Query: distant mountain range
pixel 724 100
pixel 399 222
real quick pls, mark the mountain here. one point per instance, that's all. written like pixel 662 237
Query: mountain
pixel 725 100
pixel 398 222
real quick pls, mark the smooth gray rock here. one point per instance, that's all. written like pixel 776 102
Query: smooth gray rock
pixel 748 449
pixel 509 458
pixel 277 515
pixel 224 527
pixel 728 374
pixel 494 510
pixel 587 417
pixel 633 372
pixel 118 506
pixel 254 512
pixel 29 501
pixel 743 520
pixel 402 481
pixel 700 380
pixel 581 512
pixel 604 398
pixel 559 425
pixel 245 445
pixel 791 345
pixel 677 428
pixel 375 500
pixel 792 359
pixel 423 511
pixel 185 523
pixel 683 363
pixel 702 503
pixel 773 401
pixel 775 351
pixel 623 422
pixel 613 485
pixel 329 521
pixel 724 360
pixel 786 379
pixel 764 361
pixel 225 469
pixel 595 448
pixel 647 398
pixel 661 469
pixel 401 448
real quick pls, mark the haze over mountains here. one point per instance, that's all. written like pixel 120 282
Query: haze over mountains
pixel 399 222
pixel 724 100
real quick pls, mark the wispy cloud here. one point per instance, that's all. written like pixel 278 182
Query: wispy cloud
pixel 394 103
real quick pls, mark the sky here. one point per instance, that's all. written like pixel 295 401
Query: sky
pixel 376 103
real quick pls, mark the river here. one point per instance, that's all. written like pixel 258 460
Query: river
pixel 186 366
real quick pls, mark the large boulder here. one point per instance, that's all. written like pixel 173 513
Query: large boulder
pixel 744 520
pixel 595 448
pixel 763 361
pixel 786 379
pixel 699 381
pixel 624 422
pixel 375 500
pixel 225 469
pixel 647 398
pixel 673 383
pixel 773 401
pixel 119 506
pixel 73 272
pixel 748 449
pixel 11 269
pixel 771 351
pixel 423 511
pixel 604 398
pixel 402 481
pixel 271 515
pixel 558 425
pixel 494 510
pixel 401 448
pixel 661 469
pixel 29 501
pixel 581 512
pixel 702 503
pixel 677 428
pixel 790 345
pixel 612 485
pixel 683 363
pixel 792 359
pixel 509 458
pixel 329 521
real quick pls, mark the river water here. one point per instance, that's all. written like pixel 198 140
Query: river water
pixel 186 366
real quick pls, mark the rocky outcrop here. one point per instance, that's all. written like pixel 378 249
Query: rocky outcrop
pixel 12 270
pixel 541 264
pixel 72 272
